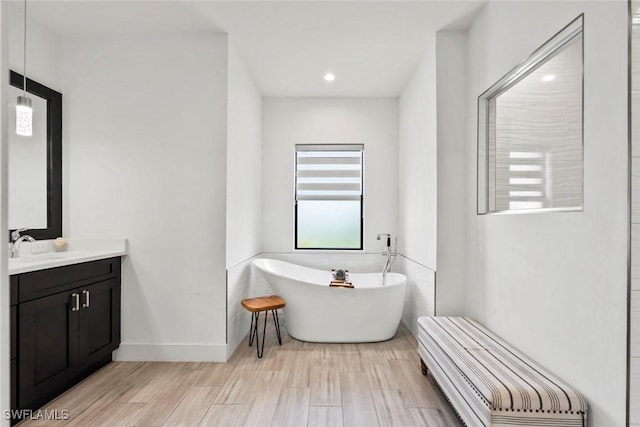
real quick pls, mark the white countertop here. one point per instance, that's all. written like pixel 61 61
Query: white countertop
pixel 79 250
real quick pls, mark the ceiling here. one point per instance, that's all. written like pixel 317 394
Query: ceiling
pixel 372 47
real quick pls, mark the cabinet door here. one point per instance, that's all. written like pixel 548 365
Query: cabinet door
pixel 14 384
pixel 48 347
pixel 13 324
pixel 99 321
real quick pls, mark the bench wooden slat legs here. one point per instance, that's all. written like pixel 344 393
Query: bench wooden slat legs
pixel 423 367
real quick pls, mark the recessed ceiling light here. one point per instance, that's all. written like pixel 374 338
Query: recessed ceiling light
pixel 329 77
pixel 548 78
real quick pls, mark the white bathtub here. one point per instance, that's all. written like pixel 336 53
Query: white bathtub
pixel 316 312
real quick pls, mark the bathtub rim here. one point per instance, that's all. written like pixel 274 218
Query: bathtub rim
pixel 401 279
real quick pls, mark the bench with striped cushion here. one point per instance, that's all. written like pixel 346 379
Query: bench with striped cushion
pixel 490 383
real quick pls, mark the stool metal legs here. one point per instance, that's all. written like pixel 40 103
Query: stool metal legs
pixel 253 330
pixel 276 323
pixel 253 317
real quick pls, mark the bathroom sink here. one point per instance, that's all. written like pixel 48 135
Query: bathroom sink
pixel 41 257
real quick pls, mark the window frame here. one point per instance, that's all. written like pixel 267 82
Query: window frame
pixel 327 147
pixel 539 57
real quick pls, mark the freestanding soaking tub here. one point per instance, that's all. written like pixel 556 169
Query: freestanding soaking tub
pixel 316 312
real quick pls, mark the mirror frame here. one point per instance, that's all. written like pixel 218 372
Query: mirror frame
pixel 54 156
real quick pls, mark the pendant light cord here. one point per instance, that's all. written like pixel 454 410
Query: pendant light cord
pixel 24 64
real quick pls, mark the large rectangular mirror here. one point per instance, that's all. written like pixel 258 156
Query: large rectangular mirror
pixel 530 135
pixel 35 162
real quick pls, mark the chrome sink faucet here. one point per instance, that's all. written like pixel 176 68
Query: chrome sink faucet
pixel 17 239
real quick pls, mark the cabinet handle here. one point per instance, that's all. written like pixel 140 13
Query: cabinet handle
pixel 76 302
pixel 86 299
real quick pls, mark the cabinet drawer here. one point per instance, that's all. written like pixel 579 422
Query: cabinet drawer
pixel 38 284
pixel 13 324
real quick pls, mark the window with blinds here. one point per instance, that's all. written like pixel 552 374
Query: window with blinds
pixel 329 196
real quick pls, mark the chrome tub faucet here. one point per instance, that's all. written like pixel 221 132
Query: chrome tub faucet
pixel 386 251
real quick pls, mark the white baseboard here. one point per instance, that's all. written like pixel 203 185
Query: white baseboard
pixel 129 352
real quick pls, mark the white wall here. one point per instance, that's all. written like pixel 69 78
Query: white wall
pixel 432 197
pixel 244 163
pixel 288 121
pixel 145 157
pixel 417 190
pixel 244 196
pixel 555 284
pixel 451 69
pixel 42 48
pixel 418 168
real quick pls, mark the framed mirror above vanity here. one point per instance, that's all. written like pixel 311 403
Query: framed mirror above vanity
pixel 35 163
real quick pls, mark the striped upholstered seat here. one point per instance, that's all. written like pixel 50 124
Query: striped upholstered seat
pixel 489 382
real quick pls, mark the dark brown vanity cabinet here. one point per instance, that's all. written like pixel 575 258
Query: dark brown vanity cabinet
pixel 68 324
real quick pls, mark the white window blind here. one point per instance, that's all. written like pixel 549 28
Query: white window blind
pixel 328 172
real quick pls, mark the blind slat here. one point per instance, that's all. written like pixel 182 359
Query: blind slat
pixel 329 147
pixel 328 187
pixel 332 196
pixel 328 160
pixel 328 174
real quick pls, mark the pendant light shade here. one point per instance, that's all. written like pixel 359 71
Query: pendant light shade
pixel 24 111
pixel 24 116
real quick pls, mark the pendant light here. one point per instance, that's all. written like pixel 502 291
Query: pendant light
pixel 24 112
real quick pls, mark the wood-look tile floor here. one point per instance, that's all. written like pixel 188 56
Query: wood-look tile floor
pixel 296 384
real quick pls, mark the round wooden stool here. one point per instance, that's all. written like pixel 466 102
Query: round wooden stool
pixel 257 306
